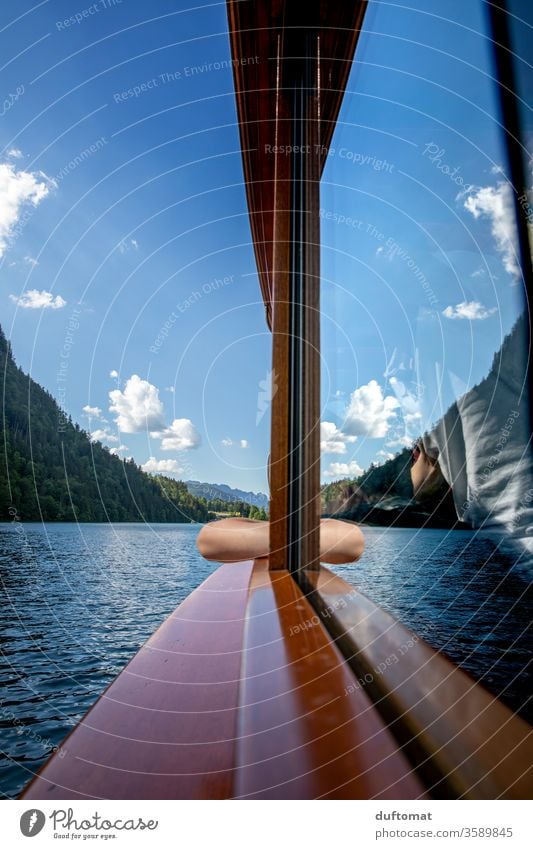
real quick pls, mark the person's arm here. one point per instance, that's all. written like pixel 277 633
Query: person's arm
pixel 340 542
pixel 426 474
pixel 233 540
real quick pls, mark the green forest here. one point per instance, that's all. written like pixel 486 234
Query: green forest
pixel 236 508
pixel 389 479
pixel 51 471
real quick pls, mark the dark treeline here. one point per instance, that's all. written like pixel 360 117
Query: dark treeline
pixel 383 495
pixel 389 479
pixel 50 470
pixel 237 508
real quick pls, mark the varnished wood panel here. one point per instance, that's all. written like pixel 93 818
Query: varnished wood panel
pixel 243 694
pixel 468 743
pixel 270 44
pixel 310 378
pixel 281 312
pixel 256 28
pixel 305 730
pixel 165 728
pixel 295 423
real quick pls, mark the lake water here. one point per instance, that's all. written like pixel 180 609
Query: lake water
pixel 78 601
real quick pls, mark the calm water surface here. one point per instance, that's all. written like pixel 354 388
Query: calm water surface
pixel 78 601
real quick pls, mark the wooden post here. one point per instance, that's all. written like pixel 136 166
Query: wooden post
pixel 295 439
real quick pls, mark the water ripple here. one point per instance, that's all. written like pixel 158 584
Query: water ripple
pixel 79 602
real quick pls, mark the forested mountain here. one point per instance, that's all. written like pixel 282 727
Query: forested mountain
pixel 50 470
pixel 223 492
pixel 388 480
pixel 383 495
pixel 222 508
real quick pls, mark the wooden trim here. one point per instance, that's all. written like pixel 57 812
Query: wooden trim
pixel 463 741
pixel 305 730
pixel 165 728
pixel 244 693
pixel 281 49
pixel 256 28
pixel 310 371
pixel 281 317
pixel 295 438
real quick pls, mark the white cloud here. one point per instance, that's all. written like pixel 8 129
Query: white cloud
pixel 409 401
pixel 180 436
pixel 103 435
pixel 227 442
pixel 113 373
pixel 412 418
pixel 162 467
pixel 387 253
pixel 387 455
pixel 369 413
pixel 471 310
pixel 479 272
pixel 138 407
pixel 29 260
pixel 119 450
pixel 95 412
pixel 332 440
pixel 171 389
pixel 496 204
pixel 343 470
pixel 400 442
pixel 18 189
pixel 15 153
pixel 35 300
pixel 125 245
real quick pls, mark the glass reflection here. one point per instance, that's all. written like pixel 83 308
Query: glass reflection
pixel 425 407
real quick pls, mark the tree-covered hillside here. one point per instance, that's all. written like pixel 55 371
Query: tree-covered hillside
pixel 50 470
pixel 383 495
pixel 220 507
pixel 390 479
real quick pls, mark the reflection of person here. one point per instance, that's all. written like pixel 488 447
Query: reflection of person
pixel 480 448
pixel 426 474
pixel 232 540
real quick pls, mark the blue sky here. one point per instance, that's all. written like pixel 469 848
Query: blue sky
pixel 146 235
pixel 126 261
pixel 420 277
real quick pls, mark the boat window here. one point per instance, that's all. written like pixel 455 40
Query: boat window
pixel 425 422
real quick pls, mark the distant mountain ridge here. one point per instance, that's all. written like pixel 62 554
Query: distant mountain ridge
pixel 211 491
